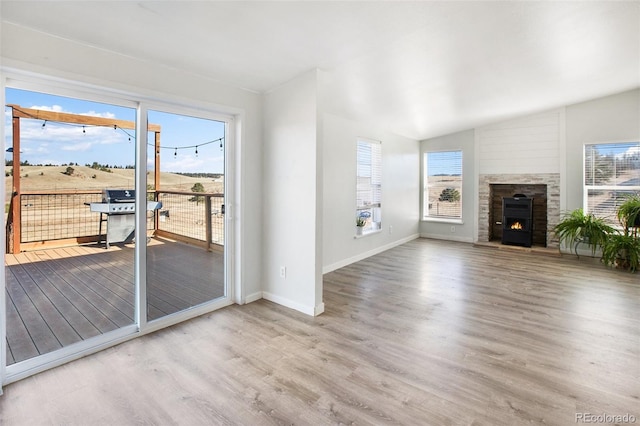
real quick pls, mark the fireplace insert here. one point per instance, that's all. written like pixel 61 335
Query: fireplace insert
pixel 517 220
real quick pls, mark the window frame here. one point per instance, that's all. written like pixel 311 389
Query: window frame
pixel 617 188
pixel 425 188
pixel 372 210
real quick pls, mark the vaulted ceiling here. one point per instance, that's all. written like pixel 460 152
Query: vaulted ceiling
pixel 417 68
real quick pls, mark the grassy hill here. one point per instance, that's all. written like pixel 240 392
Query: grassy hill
pixel 54 178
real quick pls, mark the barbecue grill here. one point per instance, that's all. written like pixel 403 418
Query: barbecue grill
pixel 118 209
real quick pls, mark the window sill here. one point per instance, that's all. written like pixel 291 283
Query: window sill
pixel 443 220
pixel 376 231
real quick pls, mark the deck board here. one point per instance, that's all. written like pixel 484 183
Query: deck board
pixel 118 300
pixel 64 278
pixel 57 297
pixel 120 272
pixel 19 340
pixel 35 325
pixel 68 310
pixel 38 288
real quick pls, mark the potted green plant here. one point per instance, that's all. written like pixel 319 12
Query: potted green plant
pixel 577 227
pixel 622 251
pixel 360 223
pixel 622 248
pixel 629 214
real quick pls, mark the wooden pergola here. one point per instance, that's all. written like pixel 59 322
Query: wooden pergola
pixel 19 112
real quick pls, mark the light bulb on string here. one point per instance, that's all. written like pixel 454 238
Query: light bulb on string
pixel 83 130
pixel 196 150
pixel 44 123
pixel 175 153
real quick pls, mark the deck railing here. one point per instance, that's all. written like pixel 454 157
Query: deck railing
pixel 192 216
pixel 58 216
pixel 63 217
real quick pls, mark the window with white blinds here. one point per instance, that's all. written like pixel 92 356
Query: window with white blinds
pixel 369 184
pixel 442 188
pixel 611 174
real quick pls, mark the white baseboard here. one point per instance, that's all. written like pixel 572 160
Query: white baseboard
pixel 305 309
pixel 253 297
pixel 285 302
pixel 447 237
pixel 361 256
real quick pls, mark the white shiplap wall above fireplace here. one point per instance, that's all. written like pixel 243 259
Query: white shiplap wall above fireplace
pixel 529 145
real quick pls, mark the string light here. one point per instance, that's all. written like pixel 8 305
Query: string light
pixel 129 136
pixel 196 146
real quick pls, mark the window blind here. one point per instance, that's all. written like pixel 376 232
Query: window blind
pixel 442 184
pixel 611 174
pixel 369 183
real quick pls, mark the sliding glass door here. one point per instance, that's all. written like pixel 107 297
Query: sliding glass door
pixel 186 175
pixel 65 283
pixel 112 229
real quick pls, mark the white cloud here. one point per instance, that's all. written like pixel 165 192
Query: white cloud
pixel 86 146
pixel 186 161
pixel 33 132
pixel 634 150
pixel 98 114
pixel 53 108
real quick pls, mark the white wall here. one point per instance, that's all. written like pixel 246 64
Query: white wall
pixel 291 211
pixel 528 144
pixel 464 231
pixel 34 52
pixel 400 191
pixel 614 118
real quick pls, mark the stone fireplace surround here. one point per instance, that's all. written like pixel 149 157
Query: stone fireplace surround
pixel 551 180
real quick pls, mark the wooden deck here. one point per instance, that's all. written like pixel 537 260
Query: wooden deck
pixel 61 296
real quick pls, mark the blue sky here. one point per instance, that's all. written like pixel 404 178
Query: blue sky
pixel 61 143
pixel 444 163
pixel 618 149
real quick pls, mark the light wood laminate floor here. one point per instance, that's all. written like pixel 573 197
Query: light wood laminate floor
pixel 427 333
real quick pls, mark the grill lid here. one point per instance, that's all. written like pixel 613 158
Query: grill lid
pixel 118 195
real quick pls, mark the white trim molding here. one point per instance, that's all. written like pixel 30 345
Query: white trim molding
pixel 342 263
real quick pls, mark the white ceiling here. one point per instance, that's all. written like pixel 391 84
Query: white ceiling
pixel 417 68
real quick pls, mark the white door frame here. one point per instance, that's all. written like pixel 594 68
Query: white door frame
pixel 30 81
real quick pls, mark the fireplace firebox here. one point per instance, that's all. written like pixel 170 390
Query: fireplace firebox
pixel 517 220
